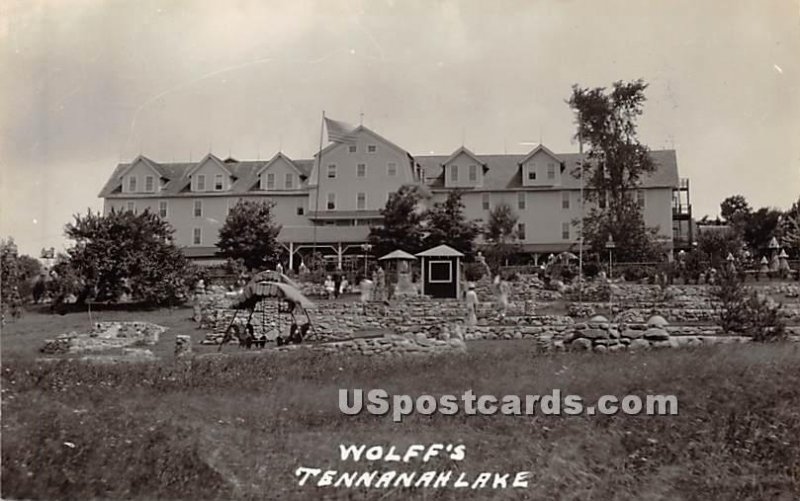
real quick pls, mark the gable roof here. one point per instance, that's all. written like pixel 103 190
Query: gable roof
pixel 464 150
pixel 358 130
pixel 398 254
pixel 505 172
pixel 441 251
pixel 222 165
pixel 149 163
pixel 274 159
pixel 536 150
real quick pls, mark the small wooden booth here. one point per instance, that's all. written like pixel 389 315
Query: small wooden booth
pixel 441 272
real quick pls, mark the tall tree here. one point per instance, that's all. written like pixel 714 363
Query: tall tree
pixel 758 228
pixel 402 223
pixel 448 225
pixel 734 209
pixel 123 252
pixel 613 167
pixel 501 234
pixel 714 246
pixel 250 235
pixel 790 227
pixel 10 278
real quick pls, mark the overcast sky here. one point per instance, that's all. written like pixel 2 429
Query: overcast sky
pixel 85 84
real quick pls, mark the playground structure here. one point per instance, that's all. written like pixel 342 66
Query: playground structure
pixel 279 290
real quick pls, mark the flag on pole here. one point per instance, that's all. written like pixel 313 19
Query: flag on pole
pixel 339 132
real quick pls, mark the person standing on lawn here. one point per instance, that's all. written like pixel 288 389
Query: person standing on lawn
pixel 471 300
pixel 337 283
pixel 330 286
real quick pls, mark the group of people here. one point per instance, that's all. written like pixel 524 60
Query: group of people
pixel 502 289
pixel 336 285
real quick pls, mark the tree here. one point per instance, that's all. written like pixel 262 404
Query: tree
pixel 251 235
pixel 501 235
pixel 10 300
pixel 30 270
pixel 790 227
pixel 613 167
pixel 714 246
pixel 758 228
pixel 734 209
pixel 125 253
pixel 447 225
pixel 402 223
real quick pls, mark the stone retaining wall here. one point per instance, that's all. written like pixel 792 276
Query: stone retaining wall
pixel 105 336
pixel 423 316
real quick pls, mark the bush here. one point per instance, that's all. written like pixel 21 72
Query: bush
pixel 636 273
pixel 474 271
pixel 765 319
pixel 125 254
pixel 746 312
pixel 590 270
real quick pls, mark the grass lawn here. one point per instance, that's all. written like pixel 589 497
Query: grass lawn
pixel 237 427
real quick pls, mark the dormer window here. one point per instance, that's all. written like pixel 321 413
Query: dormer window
pixel 201 182
pixel 454 173
pixel 473 173
pixel 149 184
pixel 132 184
pixel 551 171
pixel 531 174
pixel 270 180
pixel 218 182
pixel 289 182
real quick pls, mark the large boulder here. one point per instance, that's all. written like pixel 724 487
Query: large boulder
pixel 656 334
pixel 657 321
pixel 580 344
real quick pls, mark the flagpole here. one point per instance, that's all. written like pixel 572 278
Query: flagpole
pixel 319 181
pixel 580 241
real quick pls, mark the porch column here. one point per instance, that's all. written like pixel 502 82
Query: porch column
pixel 291 256
pixel 339 252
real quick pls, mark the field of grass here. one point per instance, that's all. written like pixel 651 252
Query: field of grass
pixel 238 426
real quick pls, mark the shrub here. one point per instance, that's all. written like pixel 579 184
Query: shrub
pixel 122 253
pixel 765 319
pixel 636 273
pixel 746 312
pixel 590 270
pixel 474 271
